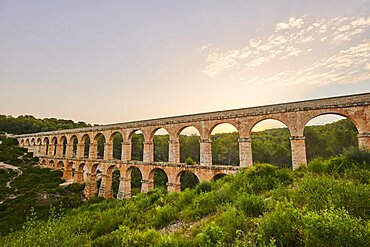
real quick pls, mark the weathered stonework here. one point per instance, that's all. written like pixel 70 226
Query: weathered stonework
pixel 49 147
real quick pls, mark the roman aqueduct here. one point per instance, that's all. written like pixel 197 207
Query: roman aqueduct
pixel 65 149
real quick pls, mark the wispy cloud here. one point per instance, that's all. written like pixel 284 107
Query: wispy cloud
pixel 293 40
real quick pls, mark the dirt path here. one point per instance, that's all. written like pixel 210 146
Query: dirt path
pixel 14 168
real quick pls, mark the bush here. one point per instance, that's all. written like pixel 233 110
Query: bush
pixel 352 158
pixel 165 215
pixel 334 228
pixel 251 205
pixel 211 236
pixel 317 165
pixel 281 224
pixel 189 161
pixel 203 187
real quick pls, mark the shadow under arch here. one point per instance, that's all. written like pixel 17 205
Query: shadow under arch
pixel 218 176
pixel 116 139
pixel 187 179
pixel 134 174
pixel 159 178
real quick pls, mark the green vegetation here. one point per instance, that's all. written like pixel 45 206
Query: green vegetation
pixel 323 204
pixel 35 188
pixel 263 206
pixel 29 124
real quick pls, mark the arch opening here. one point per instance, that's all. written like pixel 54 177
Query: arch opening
pixel 225 145
pixel 55 143
pixel 74 143
pixel 60 165
pixel 137 145
pixel 189 138
pixel 159 178
pixel 271 143
pixel 86 141
pixel 46 143
pixel 187 180
pixel 64 147
pixel 51 163
pixel 161 146
pixel 136 177
pixel 218 176
pixel 115 182
pixel 117 140
pixel 100 141
pixel 328 135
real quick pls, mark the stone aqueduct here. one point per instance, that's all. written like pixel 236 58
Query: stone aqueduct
pixel 48 146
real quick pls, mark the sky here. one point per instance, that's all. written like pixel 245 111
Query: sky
pixel 108 62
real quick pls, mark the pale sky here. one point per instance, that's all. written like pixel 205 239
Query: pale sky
pixel 116 61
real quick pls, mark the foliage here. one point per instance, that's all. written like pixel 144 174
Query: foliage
pixel 28 124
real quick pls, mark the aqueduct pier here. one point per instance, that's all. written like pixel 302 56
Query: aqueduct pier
pixel 66 149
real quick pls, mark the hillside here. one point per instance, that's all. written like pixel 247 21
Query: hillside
pixel 265 205
pixel 29 124
pixel 326 204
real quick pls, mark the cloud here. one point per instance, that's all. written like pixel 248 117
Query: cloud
pixel 291 42
pixel 348 66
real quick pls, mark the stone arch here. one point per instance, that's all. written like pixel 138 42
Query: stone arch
pixel 79 173
pixel 43 163
pixel 277 150
pixel 137 139
pixel 39 146
pixel 73 142
pixel 187 179
pixel 93 180
pixel 46 144
pixel 192 141
pixel 51 164
pixel 116 140
pixel 63 142
pixel 258 120
pixel 68 171
pixel 60 165
pixel 33 142
pixel 318 145
pixel 229 156
pixel 27 142
pixel 100 141
pixel 218 176
pixel 54 142
pixel 86 140
pixel 135 176
pixel 158 179
pixel 112 182
pixel 21 142
pixel 160 144
pixel 94 168
pixel 339 112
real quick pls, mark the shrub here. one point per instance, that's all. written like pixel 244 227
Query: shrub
pixel 317 165
pixel 165 215
pixel 189 161
pixel 230 221
pixel 334 228
pixel 203 187
pixel 211 236
pixel 281 224
pixel 252 205
pixel 352 158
